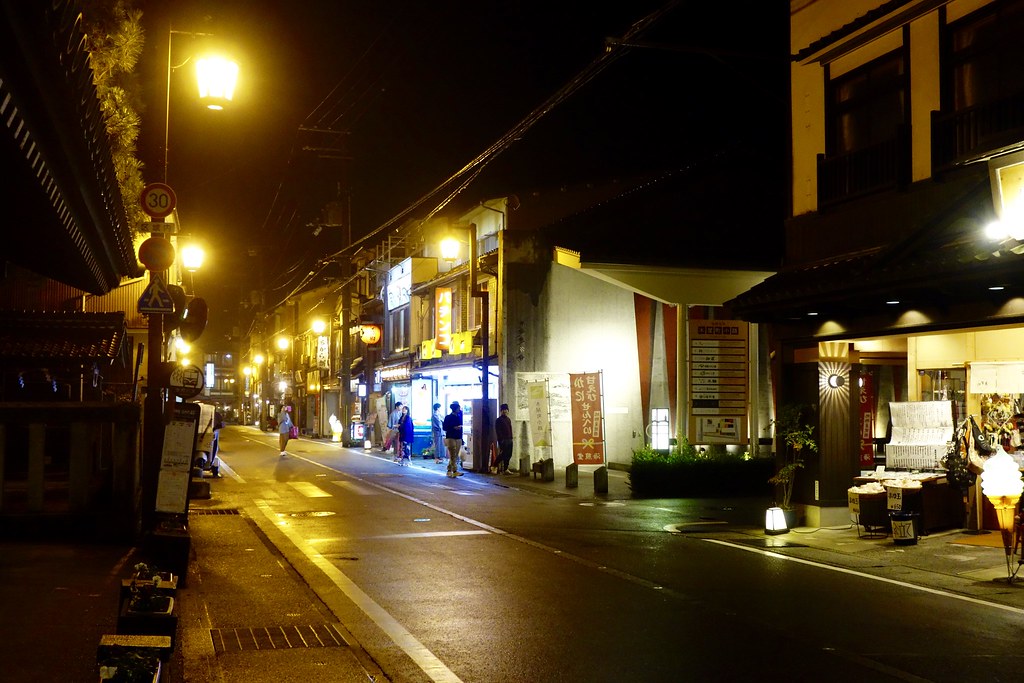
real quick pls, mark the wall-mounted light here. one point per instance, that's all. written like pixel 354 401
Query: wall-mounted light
pixel 835 381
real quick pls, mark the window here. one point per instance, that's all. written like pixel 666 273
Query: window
pixel 659 429
pixel 867 105
pixel 985 54
pixel 398 329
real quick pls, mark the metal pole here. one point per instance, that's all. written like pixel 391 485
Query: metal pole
pixel 481 460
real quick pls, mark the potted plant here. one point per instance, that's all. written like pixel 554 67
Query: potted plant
pixel 795 435
pixel 130 665
pixel 149 608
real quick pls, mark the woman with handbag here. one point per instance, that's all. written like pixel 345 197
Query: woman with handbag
pixel 284 427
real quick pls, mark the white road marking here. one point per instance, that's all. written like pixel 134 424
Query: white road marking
pixel 417 651
pixel 431 534
pixel 355 488
pixel 224 467
pixel 309 490
pixel 854 572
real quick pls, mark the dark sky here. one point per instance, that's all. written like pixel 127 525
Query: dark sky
pixel 415 89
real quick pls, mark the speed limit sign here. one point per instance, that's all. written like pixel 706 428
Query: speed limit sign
pixel 158 200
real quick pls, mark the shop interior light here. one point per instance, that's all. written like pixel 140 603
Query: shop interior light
pixel 775 521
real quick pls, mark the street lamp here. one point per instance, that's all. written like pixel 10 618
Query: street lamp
pixel 449 251
pixel 192 256
pixel 216 78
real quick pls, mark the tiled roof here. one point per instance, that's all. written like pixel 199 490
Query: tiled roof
pixel 61 337
pixel 850 28
pixel 944 260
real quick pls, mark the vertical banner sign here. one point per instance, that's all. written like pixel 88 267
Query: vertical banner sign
pixel 323 352
pixel 585 400
pixel 719 381
pixel 540 413
pixel 867 422
pixel 443 318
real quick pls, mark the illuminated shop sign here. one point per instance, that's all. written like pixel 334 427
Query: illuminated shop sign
pixel 443 317
pixel 395 373
pixel 399 288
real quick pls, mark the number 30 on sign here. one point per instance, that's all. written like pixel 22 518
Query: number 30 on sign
pixel 158 200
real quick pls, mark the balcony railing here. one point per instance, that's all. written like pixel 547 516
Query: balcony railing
pixel 882 166
pixel 974 133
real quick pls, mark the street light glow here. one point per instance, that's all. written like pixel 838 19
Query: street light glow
pixel 192 256
pixel 217 77
pixel 319 326
pixel 282 343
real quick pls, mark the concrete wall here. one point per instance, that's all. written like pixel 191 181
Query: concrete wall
pixel 561 320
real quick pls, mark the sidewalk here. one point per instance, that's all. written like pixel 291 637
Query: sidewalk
pixel 59 598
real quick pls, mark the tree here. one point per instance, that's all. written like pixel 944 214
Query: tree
pixel 114 38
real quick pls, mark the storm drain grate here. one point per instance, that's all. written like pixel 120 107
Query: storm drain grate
pixel 213 511
pixel 276 638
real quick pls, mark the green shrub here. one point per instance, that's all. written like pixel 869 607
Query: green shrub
pixel 688 472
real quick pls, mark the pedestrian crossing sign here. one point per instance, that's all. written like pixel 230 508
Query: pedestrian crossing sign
pixel 156 298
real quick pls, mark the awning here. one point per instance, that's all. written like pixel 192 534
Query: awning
pixel 63 213
pixel 943 265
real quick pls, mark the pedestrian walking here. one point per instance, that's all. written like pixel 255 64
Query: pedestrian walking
pixel 437 433
pixel 406 433
pixel 452 426
pixel 284 427
pixel 503 433
pixel 393 418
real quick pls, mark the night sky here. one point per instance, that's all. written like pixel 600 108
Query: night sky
pixel 413 90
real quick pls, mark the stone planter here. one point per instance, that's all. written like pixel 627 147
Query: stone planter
pixel 132 658
pixel 133 620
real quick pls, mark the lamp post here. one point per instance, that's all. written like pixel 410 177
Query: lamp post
pixel 192 256
pixel 216 78
pixel 449 249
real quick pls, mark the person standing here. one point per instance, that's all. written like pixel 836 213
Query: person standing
pixel 452 426
pixel 393 418
pixel 406 433
pixel 284 427
pixel 503 433
pixel 437 433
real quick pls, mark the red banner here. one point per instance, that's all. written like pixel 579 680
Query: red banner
pixel 585 401
pixel 867 422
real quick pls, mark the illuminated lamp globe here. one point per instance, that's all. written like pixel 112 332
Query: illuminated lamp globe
pixel 369 334
pixel 156 253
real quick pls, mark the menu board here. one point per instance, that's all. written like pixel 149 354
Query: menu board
pixel 920 430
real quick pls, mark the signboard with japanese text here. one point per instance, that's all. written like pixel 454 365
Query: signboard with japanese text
pixel 540 416
pixel 176 459
pixel 719 380
pixel 586 406
pixel 867 421
pixel 443 318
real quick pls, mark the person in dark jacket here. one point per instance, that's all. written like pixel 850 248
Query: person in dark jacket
pixel 503 432
pixel 406 432
pixel 452 426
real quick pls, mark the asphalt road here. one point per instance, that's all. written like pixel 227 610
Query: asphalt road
pixel 474 580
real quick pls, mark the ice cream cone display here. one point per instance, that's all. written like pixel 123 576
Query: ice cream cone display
pixel 1002 485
